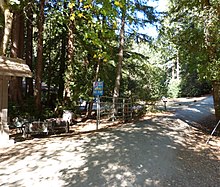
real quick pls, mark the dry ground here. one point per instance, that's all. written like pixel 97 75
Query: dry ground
pixel 158 150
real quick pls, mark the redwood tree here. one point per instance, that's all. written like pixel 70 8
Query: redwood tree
pixel 29 49
pixel 39 67
pixel 17 49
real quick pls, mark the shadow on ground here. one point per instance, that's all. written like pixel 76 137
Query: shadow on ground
pixel 197 112
pixel 157 151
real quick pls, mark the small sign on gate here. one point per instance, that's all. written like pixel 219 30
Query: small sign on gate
pixel 98 88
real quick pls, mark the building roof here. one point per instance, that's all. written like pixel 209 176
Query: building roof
pixel 14 67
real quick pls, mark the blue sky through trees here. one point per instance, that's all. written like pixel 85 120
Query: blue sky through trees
pixel 160 5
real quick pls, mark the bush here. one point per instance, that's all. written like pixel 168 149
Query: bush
pixel 173 88
pixel 191 86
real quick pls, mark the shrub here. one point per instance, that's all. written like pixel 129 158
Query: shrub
pixel 173 88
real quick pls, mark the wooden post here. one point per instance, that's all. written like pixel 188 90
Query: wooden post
pixel 4 129
pixel 216 98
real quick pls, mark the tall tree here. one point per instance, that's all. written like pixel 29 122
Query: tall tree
pixel 17 46
pixel 39 67
pixel 120 58
pixel 29 48
pixel 70 52
pixel 63 56
pixel 128 11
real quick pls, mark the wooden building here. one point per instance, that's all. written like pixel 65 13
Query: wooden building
pixel 9 67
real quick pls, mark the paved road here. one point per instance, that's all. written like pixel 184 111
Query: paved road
pixel 160 150
pixel 198 112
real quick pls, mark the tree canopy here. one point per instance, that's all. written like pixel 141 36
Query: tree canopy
pixel 70 44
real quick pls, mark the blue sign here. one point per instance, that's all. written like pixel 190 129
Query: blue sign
pixel 98 88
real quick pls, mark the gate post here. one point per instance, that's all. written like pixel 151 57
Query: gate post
pixel 4 129
pixel 123 109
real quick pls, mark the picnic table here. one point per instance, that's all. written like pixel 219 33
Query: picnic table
pixel 30 127
pixel 58 124
pixel 37 127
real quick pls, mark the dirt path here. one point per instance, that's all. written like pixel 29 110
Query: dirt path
pixel 159 150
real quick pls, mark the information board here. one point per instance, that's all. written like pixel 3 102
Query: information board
pixel 98 88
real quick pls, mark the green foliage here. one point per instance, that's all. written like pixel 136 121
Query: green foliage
pixel 193 28
pixel 193 87
pixel 174 88
pixel 95 35
pixel 24 110
pixel 192 84
pixel 143 76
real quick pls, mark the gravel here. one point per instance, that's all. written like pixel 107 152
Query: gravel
pixel 158 150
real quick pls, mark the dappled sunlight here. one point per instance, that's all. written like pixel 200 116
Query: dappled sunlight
pixel 42 164
pixel 196 112
pixel 118 174
pixel 155 151
pixel 193 109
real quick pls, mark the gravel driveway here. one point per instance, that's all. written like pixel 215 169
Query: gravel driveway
pixel 159 150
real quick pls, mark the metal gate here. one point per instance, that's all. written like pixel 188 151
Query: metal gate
pixel 122 110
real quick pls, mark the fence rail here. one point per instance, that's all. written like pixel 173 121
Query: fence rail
pixel 123 110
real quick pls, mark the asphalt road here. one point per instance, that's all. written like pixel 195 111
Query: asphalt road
pixel 198 111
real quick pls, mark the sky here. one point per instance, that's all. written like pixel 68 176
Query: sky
pixel 161 5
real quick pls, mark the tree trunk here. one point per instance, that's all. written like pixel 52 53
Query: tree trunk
pixel 70 56
pixel 178 65
pixel 119 65
pixel 216 98
pixel 7 31
pixel 62 67
pixel 64 51
pixel 49 103
pixel 97 68
pixel 1 38
pixel 173 72
pixel 17 41
pixel 29 51
pixel 21 36
pixel 4 129
pixel 39 67
pixel 20 54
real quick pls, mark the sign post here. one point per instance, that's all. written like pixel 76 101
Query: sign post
pixel 97 92
pixel 98 112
